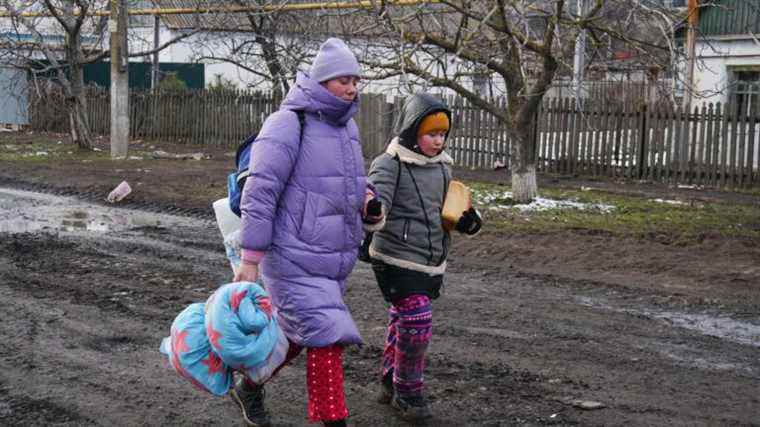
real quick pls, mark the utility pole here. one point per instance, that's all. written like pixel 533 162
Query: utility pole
pixel 691 54
pixel 117 28
pixel 579 59
pixel 156 41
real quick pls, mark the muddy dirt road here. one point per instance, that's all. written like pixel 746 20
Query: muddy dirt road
pixel 88 292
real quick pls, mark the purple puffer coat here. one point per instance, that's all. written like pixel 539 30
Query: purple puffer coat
pixel 302 205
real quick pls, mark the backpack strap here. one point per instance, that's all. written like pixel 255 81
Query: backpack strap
pixel 395 188
pixel 301 121
pixel 446 181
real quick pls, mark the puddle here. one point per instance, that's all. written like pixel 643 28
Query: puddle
pixel 688 356
pixel 720 326
pixel 24 211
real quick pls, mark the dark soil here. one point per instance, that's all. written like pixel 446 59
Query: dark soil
pixel 527 324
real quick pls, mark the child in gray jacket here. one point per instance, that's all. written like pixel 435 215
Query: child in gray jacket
pixel 409 251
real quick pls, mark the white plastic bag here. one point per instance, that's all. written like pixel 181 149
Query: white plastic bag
pixel 229 225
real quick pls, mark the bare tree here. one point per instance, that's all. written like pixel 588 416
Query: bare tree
pixel 525 44
pixel 59 42
pixel 268 42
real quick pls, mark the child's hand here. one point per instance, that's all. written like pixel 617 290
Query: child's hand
pixel 373 209
pixel 470 222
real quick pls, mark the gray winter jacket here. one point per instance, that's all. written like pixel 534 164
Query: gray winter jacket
pixel 413 236
pixel 412 187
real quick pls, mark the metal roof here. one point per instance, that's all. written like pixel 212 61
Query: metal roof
pixel 326 21
pixel 729 17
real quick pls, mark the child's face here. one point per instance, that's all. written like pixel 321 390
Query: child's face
pixel 345 87
pixel 431 144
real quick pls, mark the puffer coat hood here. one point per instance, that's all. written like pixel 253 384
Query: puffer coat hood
pixel 414 110
pixel 311 97
pixel 302 205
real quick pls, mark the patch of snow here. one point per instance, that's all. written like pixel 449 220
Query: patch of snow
pixel 669 202
pixel 541 204
pixel 491 201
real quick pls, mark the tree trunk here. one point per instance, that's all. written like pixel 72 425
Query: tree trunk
pixel 266 39
pixel 524 187
pixel 79 126
pixel 523 164
pixel 76 101
pixel 280 84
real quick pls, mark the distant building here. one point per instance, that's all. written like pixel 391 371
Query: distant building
pixel 13 98
pixel 728 54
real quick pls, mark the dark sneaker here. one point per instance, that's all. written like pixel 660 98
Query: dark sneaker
pixel 251 401
pixel 412 408
pixel 386 389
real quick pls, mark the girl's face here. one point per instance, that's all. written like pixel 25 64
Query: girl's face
pixel 431 144
pixel 345 87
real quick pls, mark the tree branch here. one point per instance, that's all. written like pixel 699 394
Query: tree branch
pixel 105 54
pixel 54 11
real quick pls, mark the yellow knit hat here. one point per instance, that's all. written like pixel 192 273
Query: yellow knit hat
pixel 434 122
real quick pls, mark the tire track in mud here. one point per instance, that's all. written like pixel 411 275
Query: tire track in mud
pixel 544 329
pixel 114 271
pixel 96 195
pixel 22 361
pixel 96 360
pixel 23 410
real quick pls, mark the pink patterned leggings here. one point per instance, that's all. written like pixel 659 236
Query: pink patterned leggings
pixel 410 327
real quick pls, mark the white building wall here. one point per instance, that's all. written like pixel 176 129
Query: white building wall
pixel 715 59
pixel 188 50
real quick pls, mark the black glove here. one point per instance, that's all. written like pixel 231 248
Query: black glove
pixel 470 222
pixel 374 208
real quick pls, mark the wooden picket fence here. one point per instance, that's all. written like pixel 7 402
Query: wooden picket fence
pixel 198 117
pixel 706 146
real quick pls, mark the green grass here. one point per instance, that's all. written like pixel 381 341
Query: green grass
pixel 631 216
pixel 46 150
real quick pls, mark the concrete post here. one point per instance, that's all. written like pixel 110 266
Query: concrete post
pixel 579 60
pixel 156 41
pixel 117 28
pixel 691 54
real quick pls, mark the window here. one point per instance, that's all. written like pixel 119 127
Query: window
pixel 745 90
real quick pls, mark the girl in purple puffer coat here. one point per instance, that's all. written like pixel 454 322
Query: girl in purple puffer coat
pixel 303 209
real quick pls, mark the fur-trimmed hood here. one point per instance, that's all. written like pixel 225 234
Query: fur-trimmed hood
pixel 416 108
pixel 409 156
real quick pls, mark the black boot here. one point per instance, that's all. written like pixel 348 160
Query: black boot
pixel 250 398
pixel 412 408
pixel 386 388
pixel 336 423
